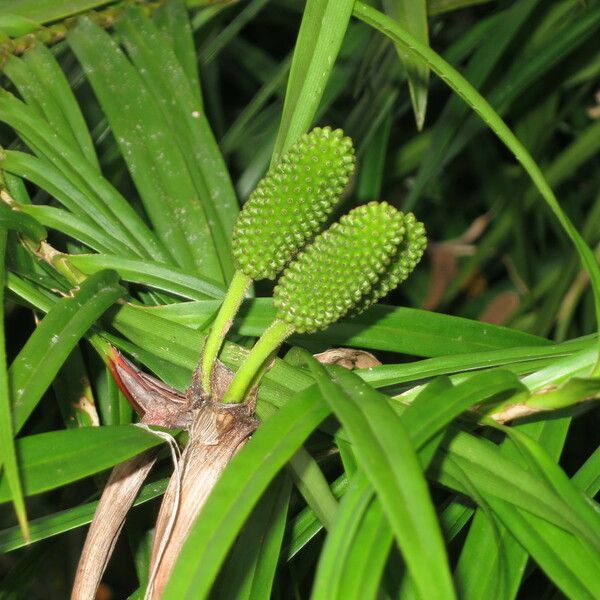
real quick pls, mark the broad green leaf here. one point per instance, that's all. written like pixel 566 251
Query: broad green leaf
pixel 68 320
pixel 238 491
pixel 386 454
pixel 55 458
pixel 321 33
pixel 412 16
pixel 8 453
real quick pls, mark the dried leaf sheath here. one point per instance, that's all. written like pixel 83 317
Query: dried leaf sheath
pixel 158 404
pixel 117 498
pixel 216 433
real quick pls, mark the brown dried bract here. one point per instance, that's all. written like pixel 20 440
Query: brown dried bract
pixel 216 433
pixel 348 358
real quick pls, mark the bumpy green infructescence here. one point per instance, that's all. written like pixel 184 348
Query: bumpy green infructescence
pixel 292 202
pixel 341 269
pixel 346 269
pixel 410 252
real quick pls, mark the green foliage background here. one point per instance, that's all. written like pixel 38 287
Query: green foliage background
pixel 129 146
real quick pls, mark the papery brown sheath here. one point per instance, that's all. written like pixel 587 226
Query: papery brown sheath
pixel 216 433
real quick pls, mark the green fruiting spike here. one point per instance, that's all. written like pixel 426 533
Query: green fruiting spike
pixel 286 210
pixel 410 252
pixel 292 202
pixel 339 268
pixel 325 281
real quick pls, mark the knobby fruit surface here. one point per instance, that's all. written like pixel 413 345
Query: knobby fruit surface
pixel 291 203
pixel 339 270
pixel 410 252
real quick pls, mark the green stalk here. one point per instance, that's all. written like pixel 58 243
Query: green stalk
pixel 268 343
pixel 231 304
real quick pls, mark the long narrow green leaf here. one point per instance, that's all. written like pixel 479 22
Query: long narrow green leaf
pixel 8 455
pixel 306 526
pixel 22 223
pixel 329 579
pixel 570 563
pixel 95 196
pixel 395 329
pixel 412 16
pixel 71 518
pixel 477 71
pixel 44 11
pixel 169 279
pixel 55 458
pixel 311 482
pixel 250 568
pixel 42 62
pixel 34 368
pixel 155 161
pixel 163 73
pixel 425 419
pixel 540 462
pixel 390 462
pixel 497 476
pixel 470 95
pixel 237 492
pixel 322 30
pixel 75 227
pixel 172 19
pixel 588 476
pixel 504 559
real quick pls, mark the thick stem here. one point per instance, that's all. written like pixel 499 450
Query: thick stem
pixel 268 343
pixel 216 436
pixel 231 304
